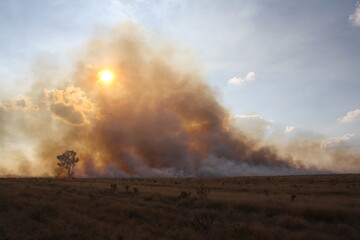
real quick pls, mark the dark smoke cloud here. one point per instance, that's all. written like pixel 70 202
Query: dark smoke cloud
pixel 158 117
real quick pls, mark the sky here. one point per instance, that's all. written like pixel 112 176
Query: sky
pixel 293 63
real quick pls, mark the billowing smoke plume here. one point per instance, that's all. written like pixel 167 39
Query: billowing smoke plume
pixel 157 118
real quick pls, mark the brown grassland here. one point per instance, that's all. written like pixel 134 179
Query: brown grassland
pixel 283 207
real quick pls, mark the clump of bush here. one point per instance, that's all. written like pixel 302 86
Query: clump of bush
pixel 184 194
pixel 113 187
pixel 202 192
pixel 202 222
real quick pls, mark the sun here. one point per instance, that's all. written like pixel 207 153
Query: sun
pixel 106 76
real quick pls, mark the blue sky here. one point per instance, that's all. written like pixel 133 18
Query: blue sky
pixel 304 55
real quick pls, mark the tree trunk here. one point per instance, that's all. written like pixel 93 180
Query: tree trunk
pixel 71 171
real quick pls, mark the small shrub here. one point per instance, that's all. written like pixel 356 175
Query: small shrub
pixel 133 213
pixel 242 228
pixel 148 198
pixel 266 192
pixel 42 213
pixel 126 232
pixel 202 192
pixel 58 194
pixel 113 187
pixel 291 222
pixel 4 202
pixel 92 196
pixel 121 237
pixel 37 216
pixel 202 223
pixel 184 194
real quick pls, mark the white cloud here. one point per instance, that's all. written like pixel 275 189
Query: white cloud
pixel 238 80
pixel 255 119
pixel 252 116
pixel 250 76
pixel 335 142
pixel 289 129
pixel 350 116
pixel 355 17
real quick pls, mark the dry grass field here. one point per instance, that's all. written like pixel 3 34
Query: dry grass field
pixel 286 207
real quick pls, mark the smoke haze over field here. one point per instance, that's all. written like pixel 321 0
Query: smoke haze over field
pixel 157 118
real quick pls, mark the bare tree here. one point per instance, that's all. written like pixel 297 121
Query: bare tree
pixel 68 161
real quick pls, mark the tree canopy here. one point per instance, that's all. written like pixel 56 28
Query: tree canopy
pixel 68 161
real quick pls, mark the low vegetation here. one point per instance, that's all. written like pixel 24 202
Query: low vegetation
pixel 288 207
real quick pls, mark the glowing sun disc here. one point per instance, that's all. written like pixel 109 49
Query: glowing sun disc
pixel 106 76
